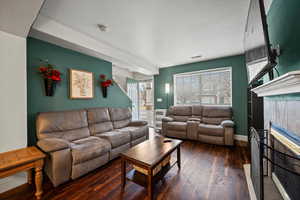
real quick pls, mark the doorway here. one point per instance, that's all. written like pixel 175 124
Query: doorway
pixel 142 96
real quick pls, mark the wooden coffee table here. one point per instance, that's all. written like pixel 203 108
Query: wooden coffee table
pixel 148 155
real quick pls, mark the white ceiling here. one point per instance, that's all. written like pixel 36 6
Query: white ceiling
pixel 161 32
pixel 16 17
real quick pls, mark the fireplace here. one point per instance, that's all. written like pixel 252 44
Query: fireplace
pixel 286 161
pixel 275 156
pixel 281 146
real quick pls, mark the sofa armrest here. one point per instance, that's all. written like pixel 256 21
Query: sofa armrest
pixel 227 123
pixel 194 119
pixel 53 144
pixel 192 129
pixel 138 123
pixel 167 119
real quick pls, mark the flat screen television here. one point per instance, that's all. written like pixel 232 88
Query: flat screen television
pixel 260 58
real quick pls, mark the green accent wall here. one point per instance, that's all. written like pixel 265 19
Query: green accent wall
pixel 239 84
pixel 284 29
pixel 64 59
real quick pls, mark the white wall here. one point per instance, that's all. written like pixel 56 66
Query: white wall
pixel 13 100
pixel 120 75
pixel 142 77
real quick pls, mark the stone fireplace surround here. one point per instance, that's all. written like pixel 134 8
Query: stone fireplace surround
pixel 282 107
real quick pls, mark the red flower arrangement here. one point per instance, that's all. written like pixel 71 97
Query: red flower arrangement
pixel 51 77
pixel 105 82
pixel 50 73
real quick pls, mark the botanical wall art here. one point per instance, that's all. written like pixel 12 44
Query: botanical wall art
pixel 50 76
pixel 81 84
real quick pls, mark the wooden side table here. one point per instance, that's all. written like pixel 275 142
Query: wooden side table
pixel 25 159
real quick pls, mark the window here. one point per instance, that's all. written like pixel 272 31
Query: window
pixel 203 87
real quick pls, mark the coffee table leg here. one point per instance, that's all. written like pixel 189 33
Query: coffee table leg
pixel 150 185
pixel 178 157
pixel 123 175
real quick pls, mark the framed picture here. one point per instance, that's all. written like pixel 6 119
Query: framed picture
pixel 81 84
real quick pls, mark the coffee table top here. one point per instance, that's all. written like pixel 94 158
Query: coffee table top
pixel 152 151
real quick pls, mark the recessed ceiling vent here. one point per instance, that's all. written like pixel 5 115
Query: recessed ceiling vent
pixel 102 27
pixel 196 57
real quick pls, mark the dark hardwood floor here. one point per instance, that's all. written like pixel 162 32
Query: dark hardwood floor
pixel 207 172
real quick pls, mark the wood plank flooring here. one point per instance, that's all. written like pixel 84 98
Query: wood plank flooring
pixel 208 172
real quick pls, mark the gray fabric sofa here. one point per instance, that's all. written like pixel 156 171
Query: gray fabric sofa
pixel 79 141
pixel 210 124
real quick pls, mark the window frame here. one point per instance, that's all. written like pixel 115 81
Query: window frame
pixel 229 68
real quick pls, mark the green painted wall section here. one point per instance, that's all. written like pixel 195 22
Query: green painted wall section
pixel 64 59
pixel 239 84
pixel 284 29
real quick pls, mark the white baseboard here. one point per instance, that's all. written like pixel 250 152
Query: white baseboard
pixel 243 138
pixel 249 182
pixel 281 189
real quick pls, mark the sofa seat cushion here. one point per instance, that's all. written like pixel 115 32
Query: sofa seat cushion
pixel 135 131
pixel 88 148
pixel 212 130
pixel 116 138
pixel 176 134
pixel 178 126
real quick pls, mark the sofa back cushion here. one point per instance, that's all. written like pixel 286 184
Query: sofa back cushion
pixel 197 111
pixel 120 117
pixel 216 114
pixel 180 113
pixel 99 120
pixel 68 125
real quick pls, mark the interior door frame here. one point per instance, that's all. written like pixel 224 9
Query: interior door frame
pixel 153 99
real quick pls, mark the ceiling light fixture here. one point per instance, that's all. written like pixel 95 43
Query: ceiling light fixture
pixel 102 27
pixel 196 57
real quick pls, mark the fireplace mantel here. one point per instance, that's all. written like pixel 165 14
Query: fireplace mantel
pixel 286 84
